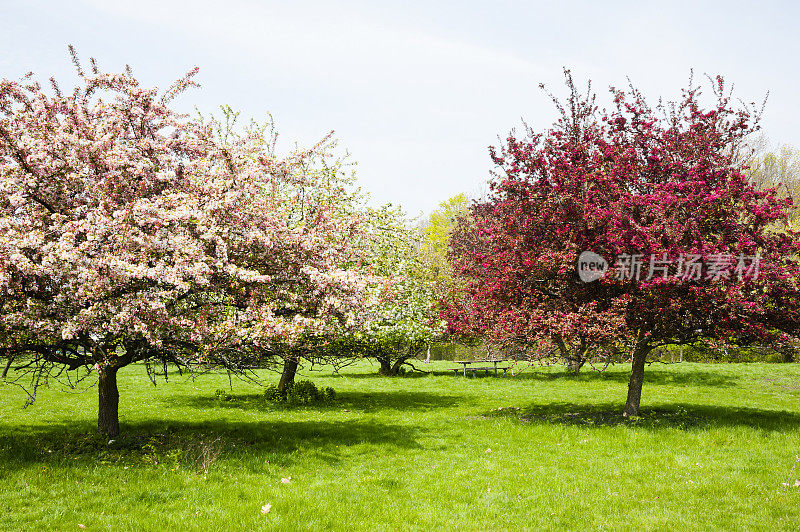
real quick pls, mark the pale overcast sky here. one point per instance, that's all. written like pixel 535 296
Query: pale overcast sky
pixel 416 91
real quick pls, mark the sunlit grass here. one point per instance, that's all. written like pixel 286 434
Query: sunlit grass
pixel 541 450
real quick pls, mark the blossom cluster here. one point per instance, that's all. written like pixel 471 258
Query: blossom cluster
pixel 663 184
pixel 122 219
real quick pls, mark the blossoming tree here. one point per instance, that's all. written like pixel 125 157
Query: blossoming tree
pixel 656 192
pixel 130 233
pixel 404 323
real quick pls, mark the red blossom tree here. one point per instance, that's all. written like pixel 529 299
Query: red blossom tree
pixel 638 182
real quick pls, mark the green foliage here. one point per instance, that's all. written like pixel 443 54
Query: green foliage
pixel 405 321
pixel 154 453
pixel 272 393
pixel 779 169
pixel 457 351
pixel 222 395
pixel 436 232
pixel 708 354
pixel 301 393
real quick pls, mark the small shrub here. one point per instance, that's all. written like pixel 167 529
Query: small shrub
pixel 300 393
pixel 329 394
pixel 156 452
pixel 222 395
pixel 303 393
pixel 272 393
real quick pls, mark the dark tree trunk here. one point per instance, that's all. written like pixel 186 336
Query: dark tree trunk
pixel 574 355
pixel 637 379
pixel 386 366
pixel 108 403
pixel 8 365
pixel 574 365
pixel 289 371
pixel 389 368
pixel 398 364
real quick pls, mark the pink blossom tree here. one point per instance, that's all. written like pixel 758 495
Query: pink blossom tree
pixel 657 184
pixel 130 233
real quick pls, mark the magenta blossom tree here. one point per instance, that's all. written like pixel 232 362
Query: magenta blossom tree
pixel 131 233
pixel 653 191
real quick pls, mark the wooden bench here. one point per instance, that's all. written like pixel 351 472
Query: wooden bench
pixel 474 370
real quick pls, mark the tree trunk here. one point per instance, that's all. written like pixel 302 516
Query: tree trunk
pixel 289 371
pixel 637 379
pixel 574 356
pixel 108 402
pixel 574 365
pixel 398 364
pixel 386 366
pixel 8 365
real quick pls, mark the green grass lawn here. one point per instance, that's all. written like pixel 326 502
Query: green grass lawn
pixel 711 451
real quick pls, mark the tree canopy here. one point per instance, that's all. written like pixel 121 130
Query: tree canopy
pixel 129 232
pixel 689 242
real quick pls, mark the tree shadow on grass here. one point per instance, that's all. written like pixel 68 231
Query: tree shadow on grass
pixel 657 375
pixel 375 375
pixel 162 441
pixel 354 401
pixel 675 416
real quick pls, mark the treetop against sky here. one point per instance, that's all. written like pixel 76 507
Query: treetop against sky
pixel 416 92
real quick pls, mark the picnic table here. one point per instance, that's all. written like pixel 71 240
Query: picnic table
pixel 473 369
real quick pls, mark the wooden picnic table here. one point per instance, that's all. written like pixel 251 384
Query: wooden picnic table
pixel 466 363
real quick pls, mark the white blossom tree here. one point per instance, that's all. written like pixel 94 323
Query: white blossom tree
pixel 405 322
pixel 130 233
